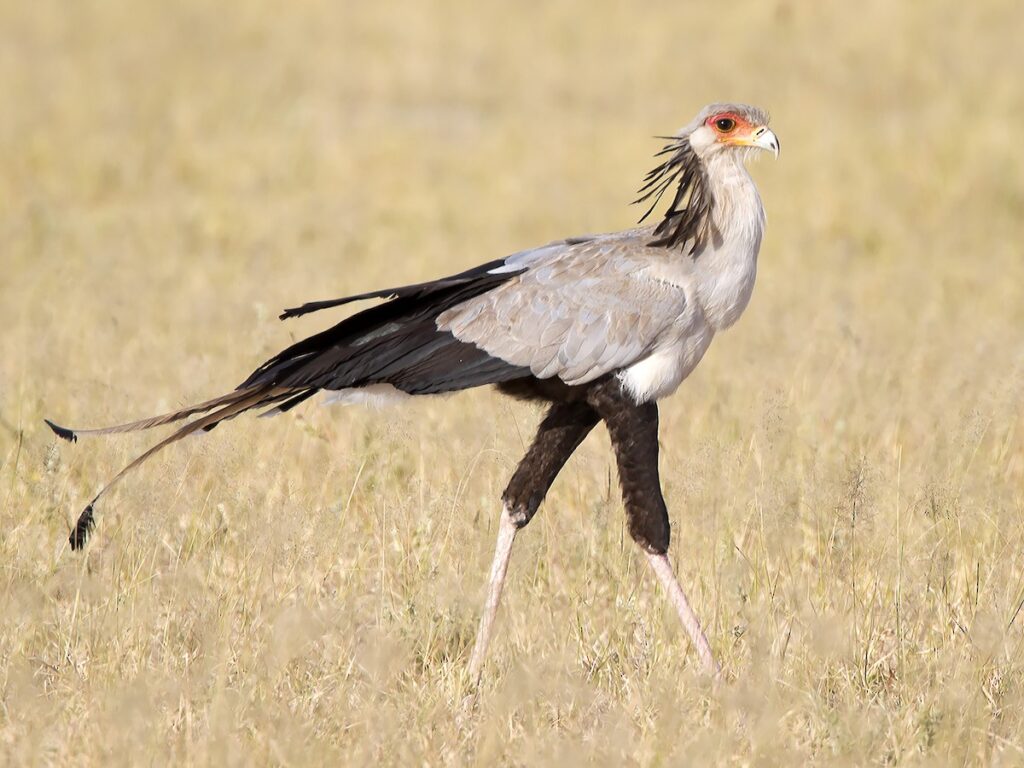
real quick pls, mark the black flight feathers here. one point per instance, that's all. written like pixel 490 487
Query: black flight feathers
pixel 396 342
pixel 394 293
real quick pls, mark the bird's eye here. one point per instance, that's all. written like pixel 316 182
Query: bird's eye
pixel 725 124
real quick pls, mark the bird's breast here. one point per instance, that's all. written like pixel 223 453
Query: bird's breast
pixel 659 374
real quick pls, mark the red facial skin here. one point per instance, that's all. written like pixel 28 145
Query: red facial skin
pixel 741 128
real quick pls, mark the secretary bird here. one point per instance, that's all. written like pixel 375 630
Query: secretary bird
pixel 599 327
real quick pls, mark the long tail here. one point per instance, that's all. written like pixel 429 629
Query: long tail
pixel 397 342
pixel 71 435
pixel 230 406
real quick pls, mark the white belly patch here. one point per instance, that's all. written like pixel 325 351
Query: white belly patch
pixel 661 373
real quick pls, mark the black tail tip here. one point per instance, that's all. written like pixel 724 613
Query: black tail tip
pixel 61 432
pixel 83 527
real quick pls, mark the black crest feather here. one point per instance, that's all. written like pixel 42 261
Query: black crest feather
pixel 688 218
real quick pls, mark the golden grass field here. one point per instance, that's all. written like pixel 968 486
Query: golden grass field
pixel 845 471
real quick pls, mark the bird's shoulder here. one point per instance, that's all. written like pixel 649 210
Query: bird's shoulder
pixel 625 255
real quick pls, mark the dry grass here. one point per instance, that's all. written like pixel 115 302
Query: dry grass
pixel 845 470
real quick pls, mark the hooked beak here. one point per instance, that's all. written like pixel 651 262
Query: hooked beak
pixel 764 138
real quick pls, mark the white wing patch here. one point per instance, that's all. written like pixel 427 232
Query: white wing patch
pixel 373 395
pixel 504 269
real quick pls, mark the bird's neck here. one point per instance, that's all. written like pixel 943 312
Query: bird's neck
pixel 737 212
pixel 726 269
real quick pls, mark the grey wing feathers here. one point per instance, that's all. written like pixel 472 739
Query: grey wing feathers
pixel 579 310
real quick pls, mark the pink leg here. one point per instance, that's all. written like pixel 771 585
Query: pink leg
pixel 663 569
pixel 502 552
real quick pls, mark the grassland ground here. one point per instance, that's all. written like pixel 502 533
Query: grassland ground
pixel 845 471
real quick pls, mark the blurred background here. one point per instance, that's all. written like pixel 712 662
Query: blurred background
pixel 845 471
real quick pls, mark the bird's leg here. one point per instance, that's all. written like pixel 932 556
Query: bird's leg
pixel 499 567
pixel 663 570
pixel 559 434
pixel 634 434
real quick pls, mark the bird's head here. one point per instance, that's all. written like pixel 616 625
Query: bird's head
pixel 720 135
pixel 730 128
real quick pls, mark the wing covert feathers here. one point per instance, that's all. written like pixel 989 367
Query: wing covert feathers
pixel 578 313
